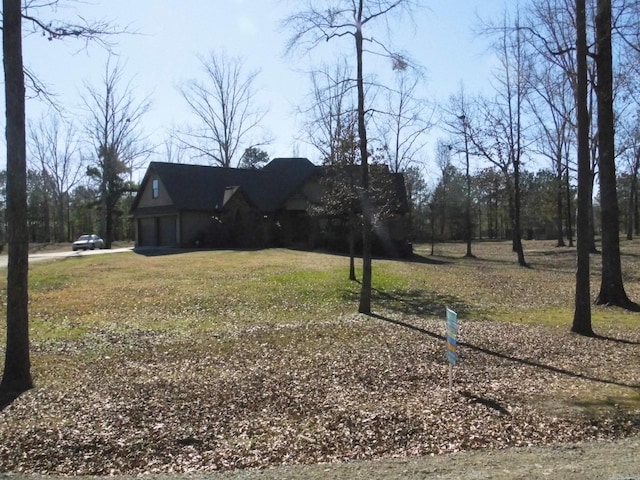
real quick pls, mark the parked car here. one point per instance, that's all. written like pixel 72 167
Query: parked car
pixel 87 242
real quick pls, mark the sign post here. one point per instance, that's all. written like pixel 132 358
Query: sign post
pixel 452 342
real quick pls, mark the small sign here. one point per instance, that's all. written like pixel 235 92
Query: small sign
pixel 452 336
pixel 452 342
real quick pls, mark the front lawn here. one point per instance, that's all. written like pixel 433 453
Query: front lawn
pixel 215 360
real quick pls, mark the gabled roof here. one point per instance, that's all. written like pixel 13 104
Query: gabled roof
pixel 204 188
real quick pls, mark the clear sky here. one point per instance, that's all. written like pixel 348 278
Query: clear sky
pixel 171 33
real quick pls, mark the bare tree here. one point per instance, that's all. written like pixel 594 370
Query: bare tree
pixel 630 155
pixel 552 26
pixel 553 106
pixel 54 147
pixel 582 313
pixel 439 200
pixel 17 365
pixel 40 17
pixel 331 129
pixel 457 121
pixel 492 135
pixel 224 105
pixel 332 106
pixel 612 290
pixel 114 130
pixel 16 376
pixel 175 150
pixel 319 22
pixel 512 87
pixel 342 195
pixel 405 122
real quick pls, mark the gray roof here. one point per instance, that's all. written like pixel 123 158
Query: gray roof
pixel 205 188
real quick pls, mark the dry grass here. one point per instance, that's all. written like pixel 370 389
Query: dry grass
pixel 205 361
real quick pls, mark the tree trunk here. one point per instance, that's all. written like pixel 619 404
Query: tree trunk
pixel 630 210
pixel 46 217
pixel 517 239
pixel 593 248
pixel 59 203
pixel 633 198
pixel 569 210
pixel 636 210
pixel 611 288
pixel 103 212
pixel 352 246
pixel 582 312
pixel 16 377
pixel 559 188
pixel 468 224
pixel 365 291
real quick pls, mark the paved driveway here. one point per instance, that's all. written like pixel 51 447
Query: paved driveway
pixel 36 257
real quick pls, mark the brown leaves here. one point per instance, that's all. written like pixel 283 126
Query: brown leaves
pixel 355 387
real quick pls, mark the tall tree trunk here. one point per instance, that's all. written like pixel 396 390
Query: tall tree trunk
pixel 517 238
pixel 103 212
pixel 611 288
pixel 352 246
pixel 559 192
pixel 582 312
pixel 367 227
pixel 633 192
pixel 593 248
pixel 432 211
pixel 16 377
pixel 467 213
pixel 46 218
pixel 569 209
pixel 468 223
pixel 59 205
pixel 636 210
pixel 633 197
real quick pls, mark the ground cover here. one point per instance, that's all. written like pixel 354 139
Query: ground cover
pixel 217 360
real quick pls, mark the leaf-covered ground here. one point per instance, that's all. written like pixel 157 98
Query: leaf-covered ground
pixel 351 388
pixel 234 385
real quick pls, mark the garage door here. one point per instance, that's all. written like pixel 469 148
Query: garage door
pixel 147 232
pixel 168 231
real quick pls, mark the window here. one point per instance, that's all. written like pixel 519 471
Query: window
pixel 155 188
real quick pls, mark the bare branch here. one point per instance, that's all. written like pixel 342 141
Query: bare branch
pixel 225 109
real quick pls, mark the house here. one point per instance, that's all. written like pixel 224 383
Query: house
pixel 181 205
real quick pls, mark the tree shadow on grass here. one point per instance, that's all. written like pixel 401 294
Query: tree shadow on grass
pixel 415 258
pixel 419 302
pixel 615 340
pixel 521 361
pixel 412 302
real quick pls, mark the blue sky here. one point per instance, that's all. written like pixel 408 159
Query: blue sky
pixel 171 33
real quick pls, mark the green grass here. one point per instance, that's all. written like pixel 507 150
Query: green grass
pixel 220 291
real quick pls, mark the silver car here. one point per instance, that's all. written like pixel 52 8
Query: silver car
pixel 87 242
